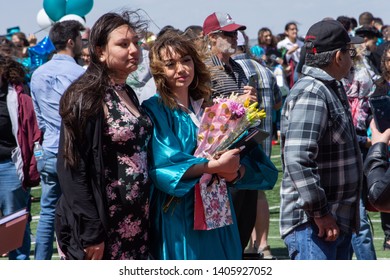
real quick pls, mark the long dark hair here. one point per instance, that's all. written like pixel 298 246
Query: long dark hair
pixel 183 45
pixel 84 97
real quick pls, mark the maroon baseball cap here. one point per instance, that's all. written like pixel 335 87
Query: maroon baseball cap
pixel 328 35
pixel 220 22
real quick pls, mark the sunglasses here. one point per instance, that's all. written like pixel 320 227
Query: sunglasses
pixel 227 33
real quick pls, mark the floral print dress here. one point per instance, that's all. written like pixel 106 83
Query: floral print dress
pixel 125 140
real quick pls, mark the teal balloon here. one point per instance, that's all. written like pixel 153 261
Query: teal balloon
pixel 55 9
pixel 78 7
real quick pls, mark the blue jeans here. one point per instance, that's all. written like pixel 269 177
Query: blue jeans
pixel 51 192
pixel 304 244
pixel 12 198
pixel 363 243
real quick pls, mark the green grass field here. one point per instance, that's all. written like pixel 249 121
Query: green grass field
pixel 277 246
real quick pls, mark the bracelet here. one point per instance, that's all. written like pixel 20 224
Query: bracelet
pixel 237 178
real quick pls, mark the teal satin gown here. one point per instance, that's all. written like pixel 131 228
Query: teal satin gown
pixel 172 233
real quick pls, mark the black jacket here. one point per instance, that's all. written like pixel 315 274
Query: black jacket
pixel 81 214
pixel 378 176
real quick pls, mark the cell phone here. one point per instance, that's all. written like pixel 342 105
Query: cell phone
pixel 252 80
pixel 254 137
pixel 380 107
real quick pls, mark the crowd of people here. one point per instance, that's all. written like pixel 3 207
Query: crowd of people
pixel 117 111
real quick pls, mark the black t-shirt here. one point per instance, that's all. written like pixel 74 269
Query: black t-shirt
pixel 7 139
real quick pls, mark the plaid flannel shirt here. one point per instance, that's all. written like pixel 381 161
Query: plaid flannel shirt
pixel 321 158
pixel 267 89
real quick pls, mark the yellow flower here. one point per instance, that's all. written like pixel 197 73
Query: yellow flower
pixel 253 105
pixel 255 115
pixel 247 102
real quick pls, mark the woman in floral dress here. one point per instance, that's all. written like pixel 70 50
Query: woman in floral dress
pixel 103 212
pixel 124 154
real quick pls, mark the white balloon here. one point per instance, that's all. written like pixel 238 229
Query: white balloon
pixel 43 19
pixel 73 17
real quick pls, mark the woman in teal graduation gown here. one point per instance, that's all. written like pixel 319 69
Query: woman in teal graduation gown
pixel 183 82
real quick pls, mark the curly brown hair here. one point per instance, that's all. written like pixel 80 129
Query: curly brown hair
pixel 199 88
pixel 260 34
pixel 385 70
pixel 11 71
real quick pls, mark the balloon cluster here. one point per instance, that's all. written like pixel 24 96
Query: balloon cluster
pixel 54 11
pixel 60 10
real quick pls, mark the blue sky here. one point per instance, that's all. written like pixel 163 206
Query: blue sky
pixel 252 13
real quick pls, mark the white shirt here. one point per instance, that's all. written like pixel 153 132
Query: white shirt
pixel 286 43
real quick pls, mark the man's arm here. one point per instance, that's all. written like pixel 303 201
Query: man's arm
pixel 37 109
pixel 304 122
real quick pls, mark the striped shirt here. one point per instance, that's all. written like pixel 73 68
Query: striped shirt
pixel 320 155
pixel 225 79
pixel 267 90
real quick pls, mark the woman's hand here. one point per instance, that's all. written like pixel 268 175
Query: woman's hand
pixel 94 252
pixel 378 136
pixel 227 162
pixel 32 40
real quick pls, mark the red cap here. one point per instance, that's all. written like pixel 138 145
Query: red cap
pixel 220 22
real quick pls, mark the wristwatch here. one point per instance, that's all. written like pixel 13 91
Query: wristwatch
pixel 237 178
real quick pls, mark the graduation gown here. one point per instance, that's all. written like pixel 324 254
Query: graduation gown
pixel 172 148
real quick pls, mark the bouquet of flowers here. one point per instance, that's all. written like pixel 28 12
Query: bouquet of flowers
pixel 225 122
pixel 221 125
